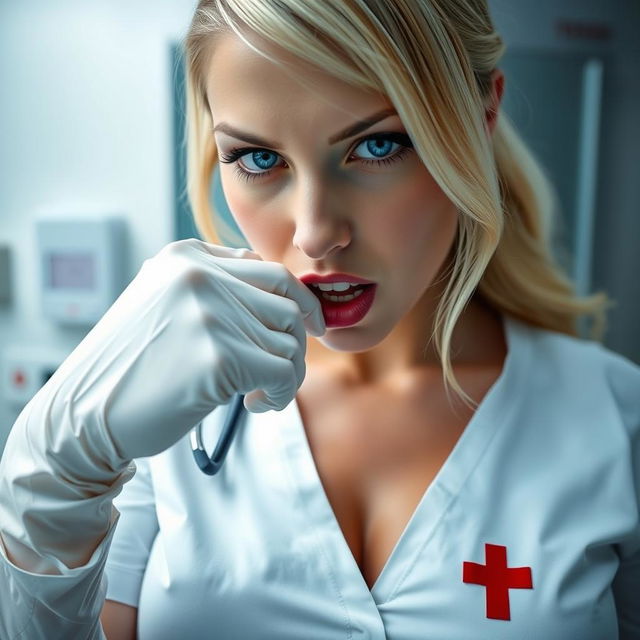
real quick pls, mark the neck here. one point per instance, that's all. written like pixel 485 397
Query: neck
pixel 477 340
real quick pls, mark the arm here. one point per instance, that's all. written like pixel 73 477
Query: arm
pixel 119 621
pixel 131 543
pixel 626 584
pixel 624 380
pixel 56 524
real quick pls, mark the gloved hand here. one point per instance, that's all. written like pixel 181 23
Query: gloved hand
pixel 198 324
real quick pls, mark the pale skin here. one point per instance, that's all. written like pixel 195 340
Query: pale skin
pixel 373 402
pixel 321 209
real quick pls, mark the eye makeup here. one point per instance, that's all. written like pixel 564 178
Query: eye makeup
pixel 236 153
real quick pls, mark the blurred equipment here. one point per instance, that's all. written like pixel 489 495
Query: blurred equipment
pixel 5 275
pixel 83 267
pixel 25 369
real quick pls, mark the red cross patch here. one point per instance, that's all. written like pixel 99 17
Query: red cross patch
pixel 498 579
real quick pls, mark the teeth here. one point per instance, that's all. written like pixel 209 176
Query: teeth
pixel 335 286
pixel 326 296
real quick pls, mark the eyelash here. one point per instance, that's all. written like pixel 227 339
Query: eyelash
pixel 249 176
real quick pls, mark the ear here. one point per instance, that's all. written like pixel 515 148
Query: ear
pixel 497 89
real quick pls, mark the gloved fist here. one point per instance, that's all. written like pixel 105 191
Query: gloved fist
pixel 198 324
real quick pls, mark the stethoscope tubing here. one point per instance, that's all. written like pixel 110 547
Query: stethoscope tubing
pixel 211 465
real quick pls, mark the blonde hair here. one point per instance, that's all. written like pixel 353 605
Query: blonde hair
pixel 433 59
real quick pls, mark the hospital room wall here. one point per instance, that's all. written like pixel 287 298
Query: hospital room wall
pixel 86 128
pixel 86 123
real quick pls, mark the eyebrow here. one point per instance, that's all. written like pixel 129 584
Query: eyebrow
pixel 349 132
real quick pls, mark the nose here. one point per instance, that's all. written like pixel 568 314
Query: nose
pixel 322 225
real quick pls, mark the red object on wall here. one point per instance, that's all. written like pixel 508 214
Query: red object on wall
pixel 19 379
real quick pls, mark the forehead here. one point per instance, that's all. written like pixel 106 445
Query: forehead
pixel 239 80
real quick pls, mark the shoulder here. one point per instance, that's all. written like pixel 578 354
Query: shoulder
pixel 587 371
pixel 622 378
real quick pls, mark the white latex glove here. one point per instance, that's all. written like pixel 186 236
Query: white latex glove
pixel 198 324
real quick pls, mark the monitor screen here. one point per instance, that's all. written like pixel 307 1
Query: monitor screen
pixel 72 271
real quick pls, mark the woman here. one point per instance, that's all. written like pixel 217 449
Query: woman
pixel 359 140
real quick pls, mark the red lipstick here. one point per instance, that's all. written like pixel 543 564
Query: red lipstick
pixel 341 312
pixel 332 277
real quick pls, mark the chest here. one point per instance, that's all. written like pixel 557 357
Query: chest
pixel 538 477
pixel 377 453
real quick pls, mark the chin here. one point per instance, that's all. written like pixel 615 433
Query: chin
pixel 349 339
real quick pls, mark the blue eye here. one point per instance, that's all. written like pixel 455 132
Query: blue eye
pixel 262 159
pixel 379 145
pixel 372 145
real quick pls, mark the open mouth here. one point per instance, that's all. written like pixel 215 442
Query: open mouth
pixel 348 295
pixel 346 310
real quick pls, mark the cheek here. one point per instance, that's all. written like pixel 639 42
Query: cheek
pixel 256 229
pixel 419 221
pixel 415 220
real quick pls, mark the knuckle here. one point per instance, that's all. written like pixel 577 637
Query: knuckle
pixel 292 321
pixel 291 311
pixel 291 345
pixel 248 253
pixel 191 276
pixel 288 369
pixel 276 270
pixel 179 247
